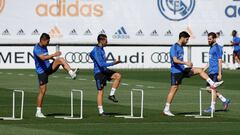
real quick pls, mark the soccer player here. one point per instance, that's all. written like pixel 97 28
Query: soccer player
pixel 215 70
pixel 102 73
pixel 178 71
pixel 236 51
pixel 44 68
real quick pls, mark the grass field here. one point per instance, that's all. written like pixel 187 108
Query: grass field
pixel 155 84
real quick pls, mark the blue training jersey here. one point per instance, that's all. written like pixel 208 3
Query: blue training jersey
pixel 40 65
pixel 215 53
pixel 176 51
pixel 99 60
pixel 236 41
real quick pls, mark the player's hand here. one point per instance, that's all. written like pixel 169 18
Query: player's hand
pixel 117 61
pixel 189 64
pixel 58 53
pixel 219 77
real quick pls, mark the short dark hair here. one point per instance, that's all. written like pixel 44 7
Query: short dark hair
pixel 218 33
pixel 214 35
pixel 101 37
pixel 184 34
pixel 234 33
pixel 44 36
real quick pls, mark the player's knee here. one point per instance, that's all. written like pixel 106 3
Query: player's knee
pixel 199 70
pixel 61 59
pixel 100 92
pixel 118 76
pixel 174 87
pixel 42 90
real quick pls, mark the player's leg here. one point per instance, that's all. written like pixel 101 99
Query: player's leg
pixel 100 101
pixel 171 94
pixel 213 101
pixel 43 80
pixel 116 77
pixel 62 62
pixel 234 57
pixel 216 94
pixel 224 100
pixel 100 83
pixel 42 91
pixel 206 77
pixel 238 59
pixel 176 80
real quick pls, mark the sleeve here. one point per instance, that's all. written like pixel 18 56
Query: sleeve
pixel 236 41
pixel 219 52
pixel 173 52
pixel 101 61
pixel 37 51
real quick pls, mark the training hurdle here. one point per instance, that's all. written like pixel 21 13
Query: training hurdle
pixel 13 106
pixel 131 116
pixel 200 104
pixel 71 117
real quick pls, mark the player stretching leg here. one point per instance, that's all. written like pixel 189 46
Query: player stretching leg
pixel 44 68
pixel 102 74
pixel 178 71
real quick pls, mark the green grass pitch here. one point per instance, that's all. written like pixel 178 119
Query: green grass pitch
pixel 155 84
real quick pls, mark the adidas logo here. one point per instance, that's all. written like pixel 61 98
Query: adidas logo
pixel 35 32
pixel 168 33
pixel 6 33
pixel 88 32
pixel 73 32
pixel 121 34
pixel 55 33
pixel 139 33
pixel 102 32
pixel 154 33
pixel 205 33
pixel 21 32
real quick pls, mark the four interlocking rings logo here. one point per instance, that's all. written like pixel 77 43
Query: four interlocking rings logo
pixel 83 57
pixel 2 4
pixel 160 57
pixel 176 10
pixel 78 57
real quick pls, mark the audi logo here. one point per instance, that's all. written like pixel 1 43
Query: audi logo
pixel 78 57
pixel 160 57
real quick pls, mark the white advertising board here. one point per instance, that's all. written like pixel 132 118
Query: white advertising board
pixel 124 21
pixel 132 56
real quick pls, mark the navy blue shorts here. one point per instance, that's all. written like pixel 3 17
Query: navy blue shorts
pixel 43 77
pixel 102 78
pixel 176 78
pixel 236 52
pixel 213 77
